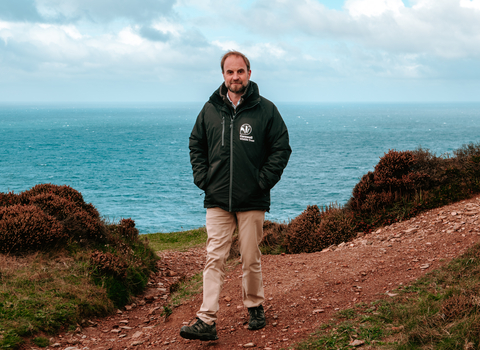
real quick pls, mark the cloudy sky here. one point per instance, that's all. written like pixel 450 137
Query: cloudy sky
pixel 300 50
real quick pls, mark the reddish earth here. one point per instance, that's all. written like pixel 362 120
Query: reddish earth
pixel 302 291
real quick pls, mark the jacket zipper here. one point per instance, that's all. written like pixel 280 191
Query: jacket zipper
pixel 223 131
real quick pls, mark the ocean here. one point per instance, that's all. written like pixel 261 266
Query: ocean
pixel 132 161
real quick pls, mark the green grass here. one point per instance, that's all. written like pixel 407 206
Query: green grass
pixel 439 311
pixel 182 291
pixel 180 241
pixel 45 293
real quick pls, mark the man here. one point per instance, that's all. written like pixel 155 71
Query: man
pixel 239 147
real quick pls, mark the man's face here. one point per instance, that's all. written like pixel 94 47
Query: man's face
pixel 235 74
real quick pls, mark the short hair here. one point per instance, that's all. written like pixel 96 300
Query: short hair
pixel 234 53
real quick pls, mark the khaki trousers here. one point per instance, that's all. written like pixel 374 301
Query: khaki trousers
pixel 220 227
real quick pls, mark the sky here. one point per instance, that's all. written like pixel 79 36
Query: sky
pixel 300 50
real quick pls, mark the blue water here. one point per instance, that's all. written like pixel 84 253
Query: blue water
pixel 132 161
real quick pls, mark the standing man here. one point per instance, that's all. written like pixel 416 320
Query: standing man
pixel 239 147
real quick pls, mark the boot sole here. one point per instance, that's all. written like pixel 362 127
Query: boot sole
pixel 196 336
pixel 257 327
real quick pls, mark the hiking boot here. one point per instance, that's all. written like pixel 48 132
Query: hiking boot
pixel 257 318
pixel 200 330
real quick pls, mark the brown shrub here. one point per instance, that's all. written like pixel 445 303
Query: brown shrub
pixel 26 228
pixel 127 229
pixel 65 192
pixel 392 167
pixel 8 199
pixel 77 222
pixel 273 234
pixel 109 263
pixel 301 232
pixel 397 175
pixel 335 227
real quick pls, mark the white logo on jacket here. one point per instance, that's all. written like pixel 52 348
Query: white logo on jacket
pixel 246 130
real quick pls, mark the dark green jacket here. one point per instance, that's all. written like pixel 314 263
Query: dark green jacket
pixel 238 156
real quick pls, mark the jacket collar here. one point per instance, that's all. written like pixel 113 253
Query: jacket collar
pixel 250 97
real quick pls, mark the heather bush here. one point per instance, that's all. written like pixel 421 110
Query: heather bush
pixel 273 237
pixel 403 184
pixel 124 265
pixel 336 226
pixel 8 199
pixel 64 191
pixel 77 222
pixel 127 229
pixel 26 228
pixel 108 263
pixel 316 229
pixel 302 232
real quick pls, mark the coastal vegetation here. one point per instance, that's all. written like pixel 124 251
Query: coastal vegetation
pixel 60 264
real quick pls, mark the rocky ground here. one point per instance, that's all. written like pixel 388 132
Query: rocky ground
pixel 302 291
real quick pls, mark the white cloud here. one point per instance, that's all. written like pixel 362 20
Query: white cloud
pixel 473 4
pixel 373 8
pixel 103 10
pixel 293 41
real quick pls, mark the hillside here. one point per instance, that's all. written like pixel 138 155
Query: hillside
pixel 303 291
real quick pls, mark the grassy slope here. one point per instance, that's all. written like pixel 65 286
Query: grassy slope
pixel 439 311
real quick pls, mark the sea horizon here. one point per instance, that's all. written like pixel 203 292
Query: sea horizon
pixel 132 160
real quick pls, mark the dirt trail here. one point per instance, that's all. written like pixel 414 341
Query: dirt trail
pixel 302 291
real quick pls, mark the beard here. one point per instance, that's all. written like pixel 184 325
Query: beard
pixel 237 89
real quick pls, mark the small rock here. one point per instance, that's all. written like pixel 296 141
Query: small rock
pixel 123 321
pixel 392 294
pixel 249 345
pixel 318 311
pixel 425 266
pixel 56 345
pixel 115 330
pixel 136 334
pixel 357 342
pixel 138 342
pixel 227 299
pixel 411 230
pixel 72 348
pixel 152 311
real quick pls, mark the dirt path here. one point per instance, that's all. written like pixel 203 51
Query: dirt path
pixel 302 291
